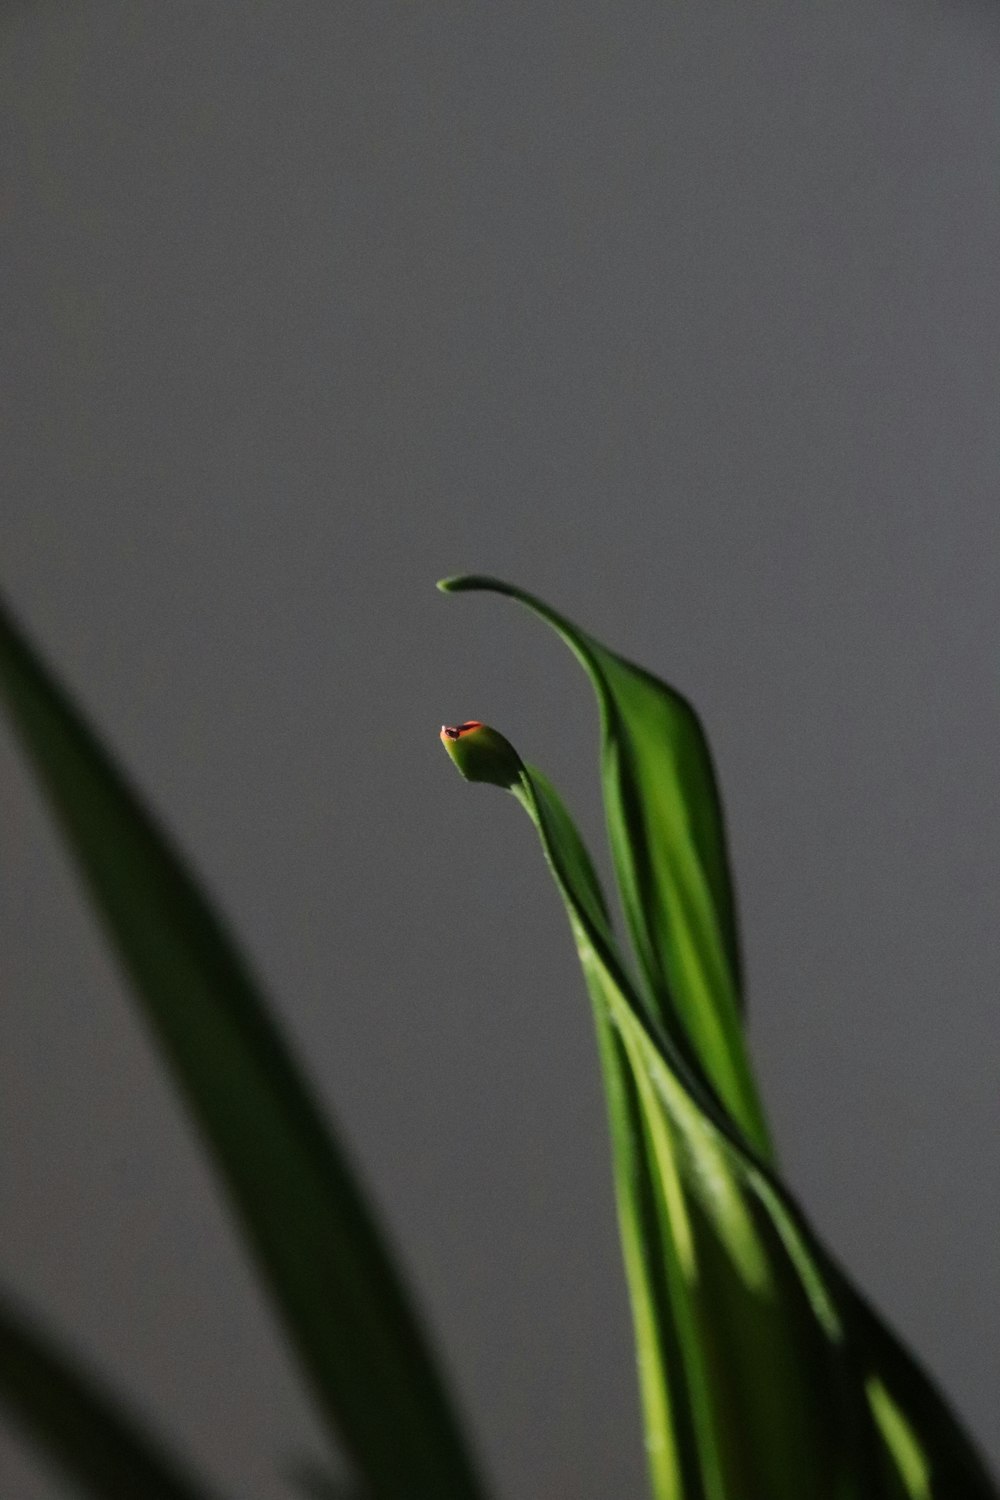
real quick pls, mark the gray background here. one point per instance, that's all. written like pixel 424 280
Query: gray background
pixel 687 316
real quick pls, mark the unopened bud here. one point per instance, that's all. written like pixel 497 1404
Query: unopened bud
pixel 481 754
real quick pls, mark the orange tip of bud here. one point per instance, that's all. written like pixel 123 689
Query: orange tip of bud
pixel 455 731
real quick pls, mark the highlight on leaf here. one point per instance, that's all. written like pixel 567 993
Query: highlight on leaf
pixel 763 1373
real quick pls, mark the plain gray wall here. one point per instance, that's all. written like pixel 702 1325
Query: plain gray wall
pixel 686 315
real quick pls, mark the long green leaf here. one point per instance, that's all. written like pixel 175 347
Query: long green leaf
pixel 717 1300
pixel 99 1445
pixel 668 843
pixel 300 1208
pixel 763 1373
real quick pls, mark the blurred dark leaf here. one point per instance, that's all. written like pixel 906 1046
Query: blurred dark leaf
pixel 297 1202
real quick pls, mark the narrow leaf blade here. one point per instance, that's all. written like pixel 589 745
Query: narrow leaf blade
pixel 668 842
pixel 763 1373
pixel 716 1300
pixel 300 1208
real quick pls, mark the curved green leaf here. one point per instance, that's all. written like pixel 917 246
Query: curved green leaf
pixel 763 1373
pixel 297 1202
pixel 747 1382
pixel 99 1445
pixel 668 842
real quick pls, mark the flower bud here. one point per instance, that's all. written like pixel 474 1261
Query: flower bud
pixel 481 754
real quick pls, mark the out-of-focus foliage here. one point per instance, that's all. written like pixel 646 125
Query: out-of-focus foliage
pixel 298 1206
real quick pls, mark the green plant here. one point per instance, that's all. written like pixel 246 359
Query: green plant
pixel 763 1372
pixel 764 1375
